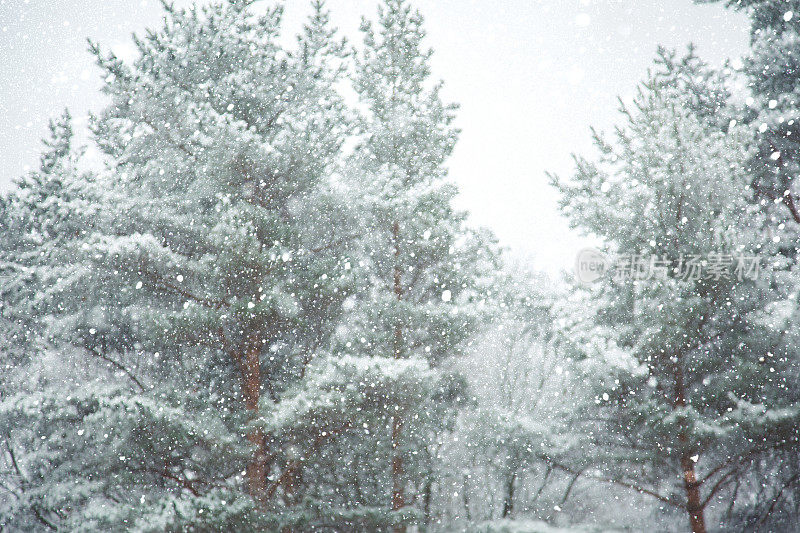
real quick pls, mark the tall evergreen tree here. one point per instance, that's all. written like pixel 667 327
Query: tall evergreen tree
pixel 207 281
pixel 771 70
pixel 40 220
pixel 695 364
pixel 199 298
pixel 423 268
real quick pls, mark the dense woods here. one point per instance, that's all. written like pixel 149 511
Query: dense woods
pixel 261 311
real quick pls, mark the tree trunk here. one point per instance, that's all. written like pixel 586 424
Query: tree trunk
pixel 256 472
pixel 694 504
pixel 465 498
pixel 398 496
pixel 398 493
pixel 426 501
pixel 508 501
pixel 290 492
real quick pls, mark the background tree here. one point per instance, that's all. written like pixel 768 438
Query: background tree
pixel 524 392
pixel 423 268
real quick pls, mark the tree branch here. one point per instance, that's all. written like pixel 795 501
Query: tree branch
pixel 777 498
pixel 294 465
pixel 118 366
pixel 621 483
pixel 788 201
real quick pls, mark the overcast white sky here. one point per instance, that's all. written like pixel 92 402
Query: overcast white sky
pixel 531 77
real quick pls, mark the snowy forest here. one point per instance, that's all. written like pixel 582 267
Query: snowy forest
pixel 257 306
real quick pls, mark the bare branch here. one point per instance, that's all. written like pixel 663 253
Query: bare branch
pixel 118 366
pixel 621 483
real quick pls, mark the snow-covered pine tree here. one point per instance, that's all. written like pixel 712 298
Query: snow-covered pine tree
pixel 209 279
pixel 691 369
pixel 704 90
pixel 771 70
pixel 423 267
pixel 39 221
pixel 37 218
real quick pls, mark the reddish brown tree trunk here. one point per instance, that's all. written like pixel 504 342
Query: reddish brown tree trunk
pixel 256 472
pixel 398 492
pixel 694 504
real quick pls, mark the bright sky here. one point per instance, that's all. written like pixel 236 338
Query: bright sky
pixel 531 77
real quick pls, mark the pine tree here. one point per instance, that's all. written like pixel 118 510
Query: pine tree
pixel 46 211
pixel 422 269
pixel 196 301
pixel 771 72
pixel 694 365
pixel 44 221
pixel 233 231
pixel 214 255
